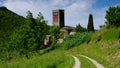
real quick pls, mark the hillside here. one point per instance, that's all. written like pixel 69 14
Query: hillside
pixel 104 46
pixel 9 22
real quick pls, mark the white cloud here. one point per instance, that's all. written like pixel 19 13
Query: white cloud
pixel 76 11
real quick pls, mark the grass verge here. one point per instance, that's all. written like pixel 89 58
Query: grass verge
pixel 54 59
pixel 85 63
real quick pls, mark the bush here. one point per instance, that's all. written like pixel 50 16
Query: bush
pixel 79 28
pixel 75 40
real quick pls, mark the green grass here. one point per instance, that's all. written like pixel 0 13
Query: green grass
pixel 103 46
pixel 54 59
pixel 105 51
pixel 85 63
pixel 107 34
pixel 107 56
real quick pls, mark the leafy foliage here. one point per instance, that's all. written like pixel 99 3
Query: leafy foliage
pixel 79 28
pixel 9 22
pixel 54 32
pixel 113 16
pixel 30 36
pixel 90 26
pixel 76 39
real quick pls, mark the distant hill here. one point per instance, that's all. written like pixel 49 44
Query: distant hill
pixel 9 22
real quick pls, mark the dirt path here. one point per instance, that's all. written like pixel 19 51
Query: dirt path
pixel 77 62
pixel 94 62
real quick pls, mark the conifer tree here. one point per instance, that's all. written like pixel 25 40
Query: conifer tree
pixel 90 26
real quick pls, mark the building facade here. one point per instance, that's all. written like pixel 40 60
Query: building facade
pixel 58 17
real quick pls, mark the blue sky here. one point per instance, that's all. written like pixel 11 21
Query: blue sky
pixel 105 3
pixel 76 11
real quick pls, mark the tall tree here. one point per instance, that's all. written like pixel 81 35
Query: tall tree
pixel 30 36
pixel 113 16
pixel 41 29
pixel 90 26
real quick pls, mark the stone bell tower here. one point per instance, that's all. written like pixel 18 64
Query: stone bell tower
pixel 58 17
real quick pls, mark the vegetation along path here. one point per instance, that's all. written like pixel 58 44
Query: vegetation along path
pixel 93 61
pixel 77 62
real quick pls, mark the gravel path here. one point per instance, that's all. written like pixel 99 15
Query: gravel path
pixel 94 62
pixel 77 62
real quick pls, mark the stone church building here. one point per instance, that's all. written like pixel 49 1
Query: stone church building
pixel 58 19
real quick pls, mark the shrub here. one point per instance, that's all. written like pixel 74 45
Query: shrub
pixel 76 39
pixel 79 28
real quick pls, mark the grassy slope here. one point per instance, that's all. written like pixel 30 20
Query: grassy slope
pixel 54 59
pixel 104 47
pixel 85 63
pixel 9 22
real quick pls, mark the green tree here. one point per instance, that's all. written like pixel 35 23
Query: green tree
pixel 79 28
pixel 31 35
pixel 54 32
pixel 41 30
pixel 90 26
pixel 113 16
